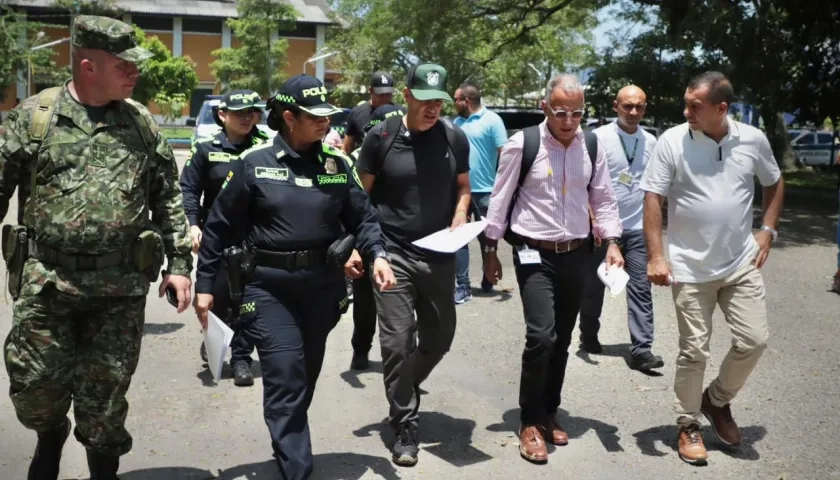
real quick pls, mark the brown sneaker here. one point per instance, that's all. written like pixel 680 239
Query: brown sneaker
pixel 721 419
pixel 691 448
pixel 554 433
pixel 532 444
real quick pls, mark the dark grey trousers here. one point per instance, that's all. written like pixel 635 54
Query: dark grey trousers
pixel 411 347
pixel 639 301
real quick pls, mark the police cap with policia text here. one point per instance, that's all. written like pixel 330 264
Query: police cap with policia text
pixel 237 100
pixel 305 93
pixel 113 36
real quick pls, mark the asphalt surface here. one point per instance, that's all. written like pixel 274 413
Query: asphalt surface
pixel 621 422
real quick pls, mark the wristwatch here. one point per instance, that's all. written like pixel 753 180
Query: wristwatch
pixel 611 241
pixel 489 248
pixel 382 254
pixel 773 233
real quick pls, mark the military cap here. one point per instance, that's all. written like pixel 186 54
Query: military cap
pixel 111 35
pixel 306 93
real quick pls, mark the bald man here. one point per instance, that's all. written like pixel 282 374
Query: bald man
pixel 627 147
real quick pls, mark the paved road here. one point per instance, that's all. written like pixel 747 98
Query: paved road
pixel 620 422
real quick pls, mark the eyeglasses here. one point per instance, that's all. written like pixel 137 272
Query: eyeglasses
pixel 628 107
pixel 561 114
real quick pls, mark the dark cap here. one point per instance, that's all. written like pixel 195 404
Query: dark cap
pixel 382 82
pixel 306 93
pixel 113 36
pixel 238 100
pixel 427 81
pixel 384 113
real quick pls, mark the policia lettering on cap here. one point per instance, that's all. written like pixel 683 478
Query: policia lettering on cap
pixel 301 211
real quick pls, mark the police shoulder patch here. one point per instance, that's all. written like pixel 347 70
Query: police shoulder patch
pixel 253 149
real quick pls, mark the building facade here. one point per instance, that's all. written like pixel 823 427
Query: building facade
pixel 191 28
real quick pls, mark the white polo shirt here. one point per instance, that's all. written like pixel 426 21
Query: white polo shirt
pixel 620 147
pixel 710 190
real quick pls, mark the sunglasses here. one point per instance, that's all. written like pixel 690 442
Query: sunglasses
pixel 628 107
pixel 561 114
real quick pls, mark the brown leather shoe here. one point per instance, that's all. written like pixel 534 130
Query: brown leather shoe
pixel 532 444
pixel 691 448
pixel 721 419
pixel 554 433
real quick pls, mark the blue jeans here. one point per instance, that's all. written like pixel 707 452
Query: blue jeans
pixel 478 208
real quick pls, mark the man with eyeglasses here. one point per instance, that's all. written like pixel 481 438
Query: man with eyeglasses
pixel 627 148
pixel 546 219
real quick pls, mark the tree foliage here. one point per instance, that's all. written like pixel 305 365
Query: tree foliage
pixel 488 42
pixel 258 62
pixel 163 73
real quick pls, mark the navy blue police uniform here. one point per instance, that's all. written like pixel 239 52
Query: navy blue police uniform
pixel 292 205
pixel 204 173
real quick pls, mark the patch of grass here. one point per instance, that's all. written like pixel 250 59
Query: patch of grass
pixel 177 132
pixel 814 179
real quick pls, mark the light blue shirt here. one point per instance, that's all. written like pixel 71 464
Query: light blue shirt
pixel 619 146
pixel 487 134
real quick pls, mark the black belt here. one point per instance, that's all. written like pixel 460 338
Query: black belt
pixel 290 260
pixel 79 262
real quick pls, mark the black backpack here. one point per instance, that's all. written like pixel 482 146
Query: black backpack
pixel 392 129
pixel 530 147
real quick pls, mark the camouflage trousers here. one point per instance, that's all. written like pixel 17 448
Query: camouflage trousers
pixel 65 348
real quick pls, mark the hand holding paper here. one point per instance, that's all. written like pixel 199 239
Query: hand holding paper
pixel 614 277
pixel 449 241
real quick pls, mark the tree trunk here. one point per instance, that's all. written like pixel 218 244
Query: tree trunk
pixel 774 124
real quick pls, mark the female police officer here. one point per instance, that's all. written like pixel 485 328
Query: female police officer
pixel 293 197
pixel 238 113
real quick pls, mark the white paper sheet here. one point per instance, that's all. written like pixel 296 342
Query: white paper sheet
pixel 450 241
pixel 217 339
pixel 615 278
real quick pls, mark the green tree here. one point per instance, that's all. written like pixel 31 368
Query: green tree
pixel 163 73
pixel 17 37
pixel 258 62
pixel 171 106
pixel 395 34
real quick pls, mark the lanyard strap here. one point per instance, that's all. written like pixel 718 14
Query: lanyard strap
pixel 624 147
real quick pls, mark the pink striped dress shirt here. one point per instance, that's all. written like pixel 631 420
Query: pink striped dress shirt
pixel 553 203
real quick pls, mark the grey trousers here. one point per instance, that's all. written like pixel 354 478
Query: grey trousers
pixel 411 348
pixel 639 301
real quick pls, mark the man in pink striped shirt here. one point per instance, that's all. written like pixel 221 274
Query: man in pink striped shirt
pixel 549 227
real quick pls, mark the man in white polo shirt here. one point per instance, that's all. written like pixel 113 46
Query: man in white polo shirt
pixel 627 148
pixel 706 169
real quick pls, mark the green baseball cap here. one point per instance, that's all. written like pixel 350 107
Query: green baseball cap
pixel 427 81
pixel 111 35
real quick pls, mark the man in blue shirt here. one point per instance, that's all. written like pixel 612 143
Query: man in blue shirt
pixel 487 135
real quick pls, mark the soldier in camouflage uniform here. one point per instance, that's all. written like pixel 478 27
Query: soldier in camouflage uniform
pixel 101 166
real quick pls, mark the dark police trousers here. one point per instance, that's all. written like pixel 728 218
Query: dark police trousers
pixel 412 348
pixel 639 301
pixel 550 293
pixel 287 316
pixel 364 314
pixel 240 347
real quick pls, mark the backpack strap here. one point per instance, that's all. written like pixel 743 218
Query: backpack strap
pixel 39 127
pixel 386 139
pixel 530 148
pixel 591 141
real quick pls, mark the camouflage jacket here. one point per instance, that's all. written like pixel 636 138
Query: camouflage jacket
pixel 91 188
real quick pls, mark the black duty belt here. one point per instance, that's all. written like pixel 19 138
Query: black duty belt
pixel 290 260
pixel 78 262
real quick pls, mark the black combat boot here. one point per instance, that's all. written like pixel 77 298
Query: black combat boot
pixel 103 467
pixel 47 458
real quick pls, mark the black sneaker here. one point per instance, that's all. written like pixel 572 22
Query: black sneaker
pixel 360 361
pixel 486 285
pixel 646 361
pixel 405 449
pixel 242 375
pixel 591 345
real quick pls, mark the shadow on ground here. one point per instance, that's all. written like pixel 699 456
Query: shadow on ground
pixel 161 328
pixel 667 436
pixel 352 376
pixel 452 438
pixel 575 427
pixel 207 379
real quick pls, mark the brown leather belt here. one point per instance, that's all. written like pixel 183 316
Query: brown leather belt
pixel 556 247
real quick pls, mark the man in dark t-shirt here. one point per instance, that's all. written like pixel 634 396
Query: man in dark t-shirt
pixel 381 93
pixel 416 170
